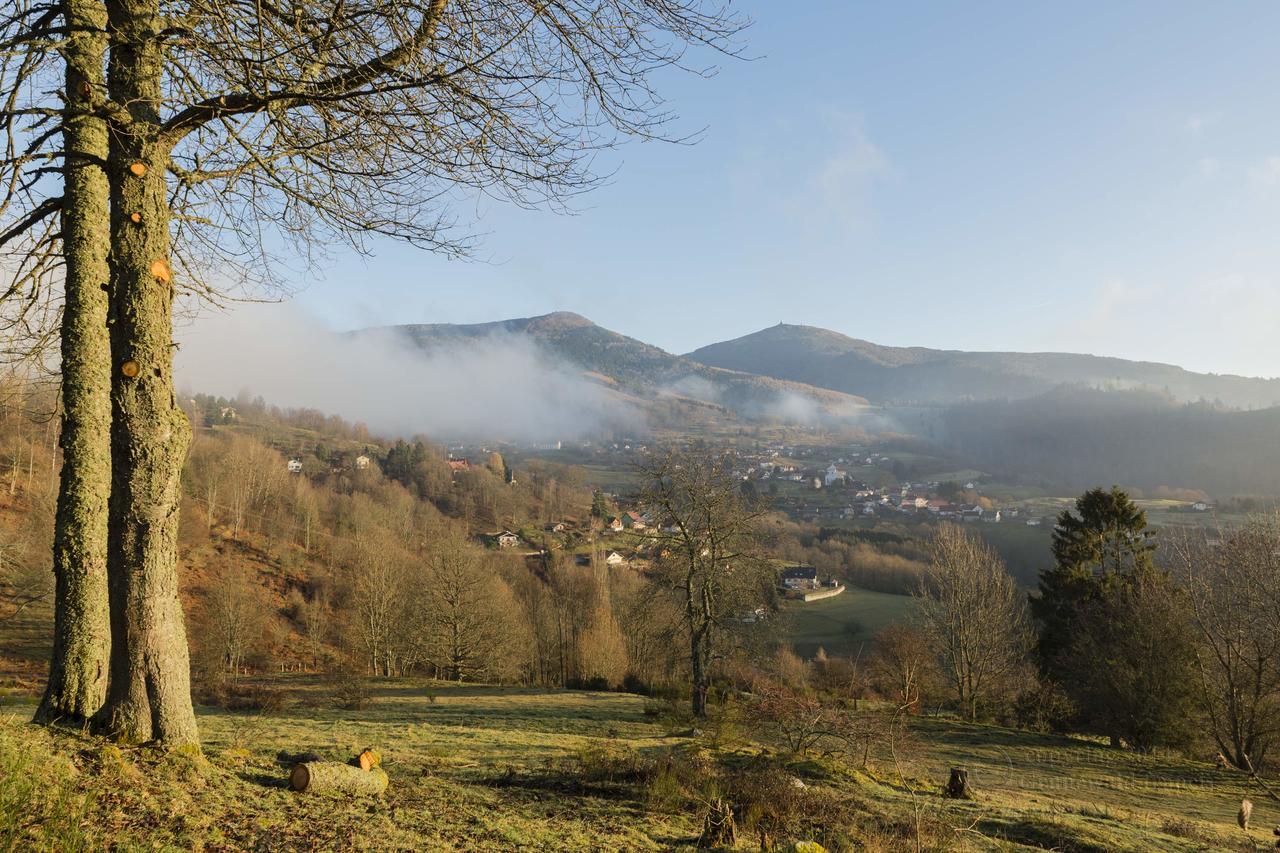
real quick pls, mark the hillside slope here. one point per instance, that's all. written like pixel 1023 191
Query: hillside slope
pixel 642 370
pixel 887 375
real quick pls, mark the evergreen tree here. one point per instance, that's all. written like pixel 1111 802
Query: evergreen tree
pixel 1105 538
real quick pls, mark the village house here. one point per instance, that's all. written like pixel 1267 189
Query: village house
pixel 362 462
pixel 295 466
pixel 554 527
pixel 633 520
pixel 800 577
pixel 459 464
pixel 614 559
pixel 614 524
pixel 506 539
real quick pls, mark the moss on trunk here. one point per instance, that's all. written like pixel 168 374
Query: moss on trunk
pixel 77 682
pixel 149 698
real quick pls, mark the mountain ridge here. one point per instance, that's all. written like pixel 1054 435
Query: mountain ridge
pixel 638 368
pixel 900 375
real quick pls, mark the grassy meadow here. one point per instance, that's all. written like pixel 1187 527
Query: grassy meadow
pixel 844 624
pixel 487 768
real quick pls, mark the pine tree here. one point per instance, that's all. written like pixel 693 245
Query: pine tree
pixel 1104 539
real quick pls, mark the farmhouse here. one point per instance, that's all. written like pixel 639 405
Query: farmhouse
pixel 800 577
pixel 554 527
pixel 362 462
pixel 506 539
pixel 614 559
pixel 633 520
pixel 614 524
pixel 295 466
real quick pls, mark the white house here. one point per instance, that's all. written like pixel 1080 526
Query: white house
pixel 362 462
pixel 800 577
pixel 295 466
pixel 834 475
pixel 614 559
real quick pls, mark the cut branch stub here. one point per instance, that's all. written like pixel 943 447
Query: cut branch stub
pixel 138 169
pixel 129 368
pixel 135 218
pixel 369 759
pixel 161 270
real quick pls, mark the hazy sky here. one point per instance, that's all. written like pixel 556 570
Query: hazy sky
pixel 1096 177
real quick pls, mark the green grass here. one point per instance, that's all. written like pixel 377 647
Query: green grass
pixel 844 624
pixel 493 769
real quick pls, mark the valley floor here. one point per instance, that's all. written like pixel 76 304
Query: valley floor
pixel 486 768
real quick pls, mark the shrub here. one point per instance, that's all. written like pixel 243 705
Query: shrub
pixel 350 688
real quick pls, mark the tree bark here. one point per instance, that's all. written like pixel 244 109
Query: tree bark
pixel 149 698
pixel 333 776
pixel 77 682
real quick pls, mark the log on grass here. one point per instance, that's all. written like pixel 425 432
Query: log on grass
pixel 334 776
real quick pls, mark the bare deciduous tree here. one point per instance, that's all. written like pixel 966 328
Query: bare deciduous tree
pixel 1233 577
pixel 974 615
pixel 707 544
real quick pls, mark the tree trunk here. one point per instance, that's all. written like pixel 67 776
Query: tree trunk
pixel 77 682
pixel 333 776
pixel 149 698
pixel 701 675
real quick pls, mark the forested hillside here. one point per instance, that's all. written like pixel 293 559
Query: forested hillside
pixel 1075 437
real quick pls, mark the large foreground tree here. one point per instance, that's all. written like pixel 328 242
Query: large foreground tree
pixel 322 121
pixel 55 239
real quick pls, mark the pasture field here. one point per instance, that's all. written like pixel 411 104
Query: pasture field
pixel 844 624
pixel 491 769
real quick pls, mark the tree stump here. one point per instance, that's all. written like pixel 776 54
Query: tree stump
pixel 718 828
pixel 957 787
pixel 1242 816
pixel 334 776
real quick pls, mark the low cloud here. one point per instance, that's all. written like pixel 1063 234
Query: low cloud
pixel 495 388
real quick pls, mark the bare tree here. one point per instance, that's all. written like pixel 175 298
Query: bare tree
pixel 236 610
pixel 463 628
pixel 708 548
pixel 1233 577
pixel 902 663
pixel 324 122
pixel 974 615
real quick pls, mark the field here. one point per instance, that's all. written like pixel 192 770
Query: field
pixel 486 768
pixel 844 624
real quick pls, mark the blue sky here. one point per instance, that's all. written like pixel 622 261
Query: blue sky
pixel 1096 178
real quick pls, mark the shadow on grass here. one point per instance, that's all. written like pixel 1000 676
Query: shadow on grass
pixel 1041 834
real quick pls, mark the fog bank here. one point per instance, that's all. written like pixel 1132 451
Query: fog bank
pixel 497 388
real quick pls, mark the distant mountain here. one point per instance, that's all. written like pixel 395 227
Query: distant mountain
pixel 916 375
pixel 641 370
